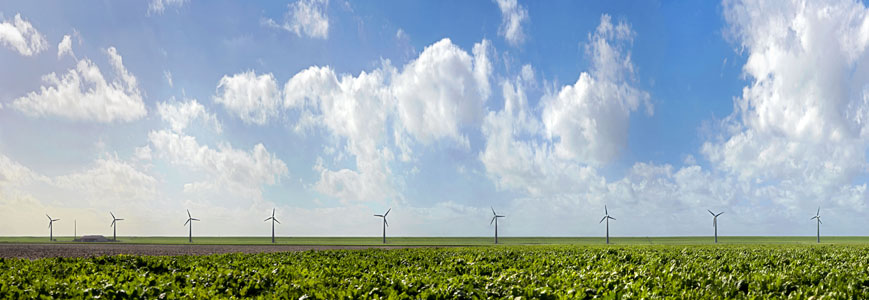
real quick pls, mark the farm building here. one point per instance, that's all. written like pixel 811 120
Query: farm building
pixel 93 239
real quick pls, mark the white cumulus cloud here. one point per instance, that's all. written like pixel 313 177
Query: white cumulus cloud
pixel 802 123
pixel 179 115
pixel 513 16
pixel 580 127
pixel 254 99
pixel 590 118
pixel 84 94
pixel 380 112
pixel 442 90
pixel 354 109
pixel 65 47
pixel 21 36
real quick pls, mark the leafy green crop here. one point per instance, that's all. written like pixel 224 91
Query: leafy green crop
pixel 542 272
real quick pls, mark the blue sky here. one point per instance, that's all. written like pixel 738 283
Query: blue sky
pixel 331 111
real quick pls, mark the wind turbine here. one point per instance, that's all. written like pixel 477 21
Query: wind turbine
pixel 190 220
pixel 51 227
pixel 715 223
pixel 114 227
pixel 273 224
pixel 384 223
pixel 818 217
pixel 495 217
pixel 606 217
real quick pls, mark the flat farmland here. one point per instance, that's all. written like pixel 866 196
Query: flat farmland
pixel 728 271
pixel 456 241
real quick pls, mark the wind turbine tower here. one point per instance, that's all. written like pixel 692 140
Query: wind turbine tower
pixel 385 224
pixel 715 223
pixel 190 220
pixel 606 217
pixel 115 227
pixel 51 228
pixel 495 217
pixel 818 217
pixel 273 224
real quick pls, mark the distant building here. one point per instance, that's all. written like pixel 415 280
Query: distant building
pixel 93 239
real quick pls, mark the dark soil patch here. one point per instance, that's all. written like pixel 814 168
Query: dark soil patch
pixel 36 251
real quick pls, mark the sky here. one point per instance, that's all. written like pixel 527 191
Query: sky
pixel 332 111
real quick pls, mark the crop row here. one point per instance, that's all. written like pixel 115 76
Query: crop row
pixel 545 272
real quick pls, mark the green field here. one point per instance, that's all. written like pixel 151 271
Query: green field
pixel 530 272
pixel 465 241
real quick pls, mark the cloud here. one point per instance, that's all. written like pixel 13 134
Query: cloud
pixel 582 126
pixel 442 90
pixel 801 123
pixel 238 172
pixel 179 115
pixel 65 47
pixel 431 99
pixel 84 94
pixel 588 121
pixel 111 182
pixel 305 17
pixel 142 153
pixel 21 36
pixel 355 110
pixel 168 76
pixel 513 16
pixel 13 173
pixel 254 99
pixel 159 6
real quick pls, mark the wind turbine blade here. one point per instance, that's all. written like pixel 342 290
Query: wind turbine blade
pixel 273 212
pixel 710 212
pixel 493 220
pixel 387 212
pixel 610 217
pixel 120 219
pixel 113 224
pixel 188 221
pixel 48 216
pixel 819 221
pixel 276 220
pixel 188 214
pixel 379 216
pixel 113 215
pixel 267 219
pixel 605 211
pixel 493 211
pixel 385 222
pixel 721 213
pixel 195 219
pixel 819 211
pixel 601 220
